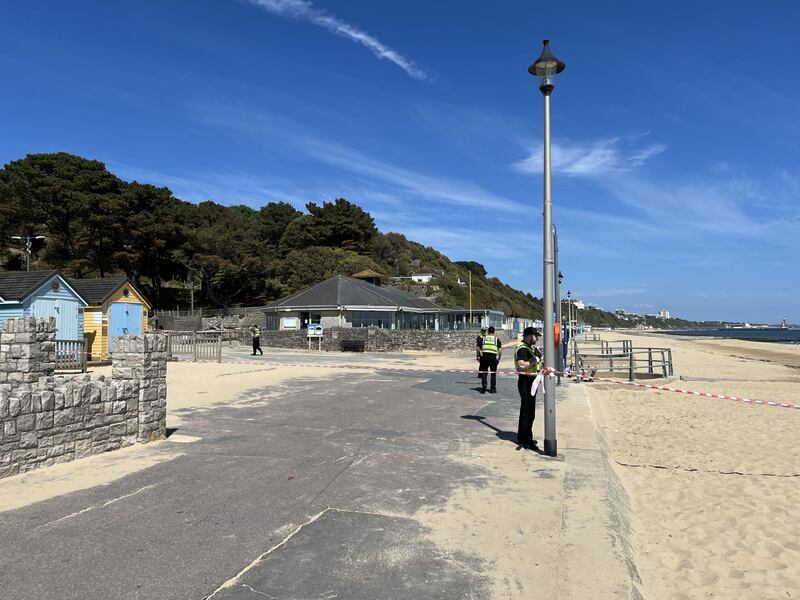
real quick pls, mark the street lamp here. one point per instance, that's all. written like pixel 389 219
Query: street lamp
pixel 28 245
pixel 546 68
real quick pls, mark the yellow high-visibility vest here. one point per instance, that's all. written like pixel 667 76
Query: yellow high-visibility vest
pixel 535 363
pixel 489 345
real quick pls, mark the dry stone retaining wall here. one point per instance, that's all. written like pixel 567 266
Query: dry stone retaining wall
pixel 47 419
pixel 376 339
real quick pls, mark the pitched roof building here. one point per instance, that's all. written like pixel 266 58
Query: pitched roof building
pixel 349 302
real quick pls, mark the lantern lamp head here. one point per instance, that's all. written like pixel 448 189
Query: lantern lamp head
pixel 546 67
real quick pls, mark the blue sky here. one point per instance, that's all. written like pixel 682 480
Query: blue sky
pixel 676 127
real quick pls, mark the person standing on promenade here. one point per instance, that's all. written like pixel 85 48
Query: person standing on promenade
pixel 528 364
pixel 478 346
pixel 255 331
pixel 491 351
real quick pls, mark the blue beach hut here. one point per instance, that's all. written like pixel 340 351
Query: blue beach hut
pixel 42 294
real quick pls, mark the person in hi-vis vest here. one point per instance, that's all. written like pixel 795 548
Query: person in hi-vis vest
pixel 491 351
pixel 528 364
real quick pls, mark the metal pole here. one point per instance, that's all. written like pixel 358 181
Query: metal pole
pixel 559 354
pixel 550 443
pixel 470 300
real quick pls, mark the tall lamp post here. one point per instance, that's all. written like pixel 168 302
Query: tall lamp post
pixel 546 68
pixel 569 321
pixel 28 245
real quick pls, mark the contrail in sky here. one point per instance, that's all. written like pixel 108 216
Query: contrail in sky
pixel 303 10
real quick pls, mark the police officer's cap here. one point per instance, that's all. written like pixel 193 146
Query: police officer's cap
pixel 531 331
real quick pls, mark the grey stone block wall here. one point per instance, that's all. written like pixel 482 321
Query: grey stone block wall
pixel 379 340
pixel 47 419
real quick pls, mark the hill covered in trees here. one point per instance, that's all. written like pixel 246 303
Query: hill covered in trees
pixel 97 225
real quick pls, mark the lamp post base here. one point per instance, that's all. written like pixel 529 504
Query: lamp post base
pixel 550 447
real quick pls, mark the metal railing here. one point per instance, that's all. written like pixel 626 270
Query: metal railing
pixel 200 345
pixel 642 363
pixel 70 355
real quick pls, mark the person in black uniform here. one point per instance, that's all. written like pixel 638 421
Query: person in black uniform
pixel 527 363
pixel 478 346
pixel 491 351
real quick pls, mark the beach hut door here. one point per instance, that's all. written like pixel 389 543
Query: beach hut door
pixel 125 319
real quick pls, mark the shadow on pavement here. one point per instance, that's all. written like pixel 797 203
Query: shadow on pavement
pixel 508 436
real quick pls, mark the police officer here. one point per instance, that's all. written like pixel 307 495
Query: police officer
pixel 255 331
pixel 478 346
pixel 491 351
pixel 527 363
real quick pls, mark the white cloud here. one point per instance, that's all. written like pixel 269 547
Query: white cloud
pixel 304 10
pixel 275 130
pixel 590 159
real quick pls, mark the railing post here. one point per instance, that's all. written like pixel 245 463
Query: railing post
pixel 669 354
pixel 650 361
pixel 631 366
pixel 219 347
pixel 194 346
pixel 83 356
pixel 663 363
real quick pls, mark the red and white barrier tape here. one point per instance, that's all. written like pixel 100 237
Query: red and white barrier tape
pixel 551 372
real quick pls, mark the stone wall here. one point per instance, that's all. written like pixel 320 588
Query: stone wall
pixel 379 340
pixel 47 419
pixel 235 321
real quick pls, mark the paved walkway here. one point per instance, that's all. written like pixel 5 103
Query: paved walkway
pixel 359 485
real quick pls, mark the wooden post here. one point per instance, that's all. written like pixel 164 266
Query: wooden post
pixel 663 363
pixel 83 356
pixel 219 347
pixel 194 346
pixel 631 366
pixel 669 355
pixel 650 361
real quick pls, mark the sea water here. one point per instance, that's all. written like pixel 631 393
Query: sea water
pixel 786 336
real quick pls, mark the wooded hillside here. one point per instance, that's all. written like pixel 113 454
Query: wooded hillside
pixel 98 225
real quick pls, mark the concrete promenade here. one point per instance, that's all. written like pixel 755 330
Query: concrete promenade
pixel 356 484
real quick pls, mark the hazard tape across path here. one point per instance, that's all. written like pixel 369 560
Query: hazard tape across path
pixel 553 373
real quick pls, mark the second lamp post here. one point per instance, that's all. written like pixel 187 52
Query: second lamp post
pixel 546 68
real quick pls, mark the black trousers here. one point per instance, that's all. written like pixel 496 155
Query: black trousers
pixel 527 410
pixel 257 345
pixel 489 363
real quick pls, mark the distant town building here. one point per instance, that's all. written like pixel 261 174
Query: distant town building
pixel 663 313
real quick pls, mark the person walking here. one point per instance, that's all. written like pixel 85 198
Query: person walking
pixel 528 364
pixel 478 346
pixel 255 331
pixel 491 351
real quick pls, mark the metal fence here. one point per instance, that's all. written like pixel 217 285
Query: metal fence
pixel 200 345
pixel 70 355
pixel 621 357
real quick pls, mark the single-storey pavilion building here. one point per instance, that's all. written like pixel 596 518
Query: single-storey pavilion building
pixel 352 302
pixel 43 294
pixel 115 308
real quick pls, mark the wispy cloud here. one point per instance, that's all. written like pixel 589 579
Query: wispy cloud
pixel 275 130
pixel 304 10
pixel 591 159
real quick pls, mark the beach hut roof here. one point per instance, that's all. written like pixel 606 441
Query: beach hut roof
pixel 18 285
pixel 98 290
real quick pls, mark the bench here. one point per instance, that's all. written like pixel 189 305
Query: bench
pixel 353 345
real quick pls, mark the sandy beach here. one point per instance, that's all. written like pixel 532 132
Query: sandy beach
pixel 713 484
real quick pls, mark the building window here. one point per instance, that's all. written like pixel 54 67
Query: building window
pixel 372 318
